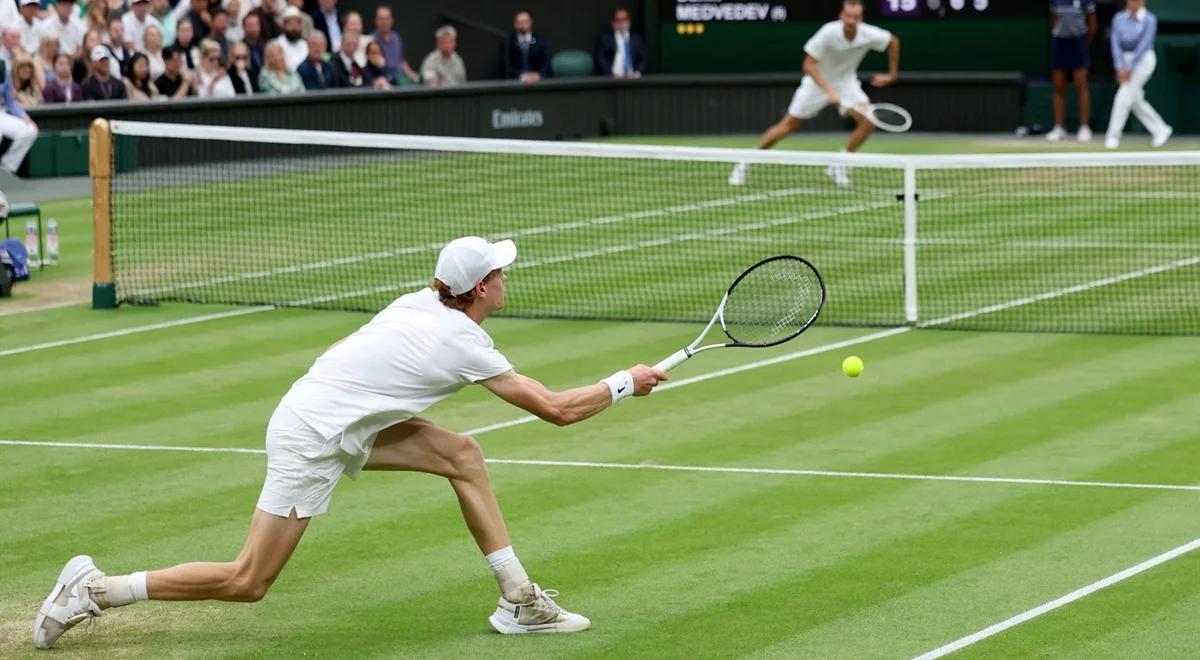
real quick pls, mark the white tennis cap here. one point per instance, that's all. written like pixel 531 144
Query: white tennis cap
pixel 465 261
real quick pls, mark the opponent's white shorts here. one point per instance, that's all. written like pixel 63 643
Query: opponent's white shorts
pixel 303 467
pixel 810 99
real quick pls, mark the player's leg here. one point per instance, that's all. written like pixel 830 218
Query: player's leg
pixel 807 101
pixel 422 446
pixel 779 130
pixel 1058 77
pixel 863 129
pixel 1080 79
pixel 83 591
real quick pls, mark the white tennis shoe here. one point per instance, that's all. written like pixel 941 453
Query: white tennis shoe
pixel 1057 134
pixel 540 615
pixel 69 603
pixel 1161 139
pixel 738 176
pixel 1112 143
pixel 840 175
pixel 1085 134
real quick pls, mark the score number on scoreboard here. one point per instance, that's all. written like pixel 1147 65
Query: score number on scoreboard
pixel 958 9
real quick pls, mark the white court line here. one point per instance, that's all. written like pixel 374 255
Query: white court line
pixel 42 308
pixel 714 469
pixel 1059 602
pixel 137 329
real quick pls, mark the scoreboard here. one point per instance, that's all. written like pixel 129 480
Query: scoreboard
pixel 779 11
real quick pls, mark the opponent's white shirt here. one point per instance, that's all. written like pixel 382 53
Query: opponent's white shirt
pixel 838 58
pixel 413 354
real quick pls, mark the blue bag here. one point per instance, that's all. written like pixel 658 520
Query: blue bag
pixel 18 256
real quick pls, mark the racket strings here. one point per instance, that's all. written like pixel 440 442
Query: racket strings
pixel 773 302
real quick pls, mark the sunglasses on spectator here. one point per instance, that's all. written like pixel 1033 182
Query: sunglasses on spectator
pixel 241 58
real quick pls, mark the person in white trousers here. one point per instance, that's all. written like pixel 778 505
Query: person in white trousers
pixel 15 125
pixel 1133 32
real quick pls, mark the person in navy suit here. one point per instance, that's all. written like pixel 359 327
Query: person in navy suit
pixel 528 54
pixel 315 72
pixel 619 52
pixel 328 21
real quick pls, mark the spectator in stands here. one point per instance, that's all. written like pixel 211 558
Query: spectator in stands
pixel 619 52
pixel 64 23
pixel 12 47
pixel 175 82
pixel 528 54
pixel 315 72
pixel 101 85
pixel 347 61
pixel 253 38
pixel 242 71
pixel 220 28
pixel 30 25
pixel 154 51
pixel 1073 26
pixel 25 83
pixel 377 73
pixel 138 84
pixel 295 48
pixel 43 62
pixel 15 125
pixel 198 14
pixel 82 67
pixel 443 67
pixel 135 23
pixel 354 22
pixel 186 40
pixel 306 22
pixel 61 87
pixel 234 31
pixel 161 11
pixel 328 22
pixel 117 45
pixel 276 77
pixel 96 18
pixel 212 81
pixel 268 21
pixel 393 46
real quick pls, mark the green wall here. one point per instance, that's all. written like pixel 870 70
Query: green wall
pixel 927 45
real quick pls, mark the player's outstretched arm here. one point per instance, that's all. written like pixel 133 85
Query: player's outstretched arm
pixel 883 80
pixel 577 404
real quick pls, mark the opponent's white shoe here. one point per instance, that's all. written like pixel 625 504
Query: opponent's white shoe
pixel 69 603
pixel 738 176
pixel 1161 139
pixel 540 615
pixel 1112 143
pixel 840 175
pixel 1085 134
pixel 1057 134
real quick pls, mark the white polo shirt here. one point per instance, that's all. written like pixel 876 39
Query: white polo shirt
pixel 412 355
pixel 838 58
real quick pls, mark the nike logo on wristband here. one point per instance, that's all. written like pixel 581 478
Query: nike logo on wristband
pixel 620 389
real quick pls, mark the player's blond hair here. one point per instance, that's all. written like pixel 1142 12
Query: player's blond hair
pixel 463 300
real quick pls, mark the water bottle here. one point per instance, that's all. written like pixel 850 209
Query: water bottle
pixel 52 242
pixel 32 243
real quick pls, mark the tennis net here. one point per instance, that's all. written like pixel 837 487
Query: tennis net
pixel 1084 243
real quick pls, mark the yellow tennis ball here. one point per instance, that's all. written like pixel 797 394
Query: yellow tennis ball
pixel 852 366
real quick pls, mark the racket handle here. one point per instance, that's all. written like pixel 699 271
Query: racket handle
pixel 677 358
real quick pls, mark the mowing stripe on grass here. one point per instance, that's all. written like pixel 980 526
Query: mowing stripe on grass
pixel 1059 602
pixel 136 329
pixel 668 468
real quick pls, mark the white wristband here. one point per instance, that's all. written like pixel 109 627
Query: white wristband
pixel 620 385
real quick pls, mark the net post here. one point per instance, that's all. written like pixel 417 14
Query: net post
pixel 910 243
pixel 100 167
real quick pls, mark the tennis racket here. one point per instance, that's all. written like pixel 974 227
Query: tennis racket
pixel 887 116
pixel 772 302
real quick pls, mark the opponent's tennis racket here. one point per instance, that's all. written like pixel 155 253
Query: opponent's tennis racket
pixel 773 301
pixel 887 116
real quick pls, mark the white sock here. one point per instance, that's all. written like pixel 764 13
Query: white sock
pixel 119 590
pixel 510 575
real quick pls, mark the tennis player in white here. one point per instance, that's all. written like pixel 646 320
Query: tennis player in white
pixel 356 409
pixel 831 62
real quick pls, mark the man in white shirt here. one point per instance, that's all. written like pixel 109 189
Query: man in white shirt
pixel 831 62
pixel 30 24
pixel 136 21
pixel 356 409
pixel 64 21
pixel 295 47
pixel 8 14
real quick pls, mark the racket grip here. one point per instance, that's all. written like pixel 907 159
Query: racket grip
pixel 677 358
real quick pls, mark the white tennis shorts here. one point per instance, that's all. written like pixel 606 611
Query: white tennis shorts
pixel 810 99
pixel 303 467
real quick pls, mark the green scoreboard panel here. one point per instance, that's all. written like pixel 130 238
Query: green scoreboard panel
pixel 699 36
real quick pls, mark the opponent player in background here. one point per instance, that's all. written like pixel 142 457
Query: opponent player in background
pixel 831 62
pixel 1133 32
pixel 356 410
